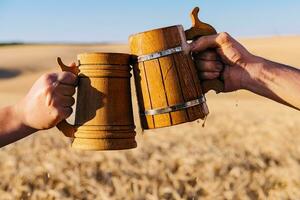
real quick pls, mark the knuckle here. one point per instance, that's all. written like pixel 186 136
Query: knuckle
pixel 48 82
pixel 224 37
pixel 69 75
pixel 49 78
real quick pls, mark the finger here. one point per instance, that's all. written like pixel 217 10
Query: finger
pixel 204 42
pixel 65 112
pixel 209 66
pixel 206 55
pixel 67 78
pixel 209 75
pixel 63 89
pixel 63 101
pixel 210 41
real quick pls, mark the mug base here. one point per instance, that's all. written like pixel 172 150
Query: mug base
pixel 103 144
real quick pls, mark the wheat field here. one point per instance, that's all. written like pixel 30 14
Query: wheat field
pixel 248 149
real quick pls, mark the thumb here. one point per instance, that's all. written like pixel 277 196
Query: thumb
pixel 204 42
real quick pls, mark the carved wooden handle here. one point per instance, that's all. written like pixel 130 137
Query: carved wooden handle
pixel 67 129
pixel 197 30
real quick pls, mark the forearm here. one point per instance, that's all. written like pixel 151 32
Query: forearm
pixel 11 126
pixel 275 81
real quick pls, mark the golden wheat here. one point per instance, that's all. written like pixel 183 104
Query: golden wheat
pixel 249 148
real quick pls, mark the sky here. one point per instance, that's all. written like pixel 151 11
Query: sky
pixel 88 21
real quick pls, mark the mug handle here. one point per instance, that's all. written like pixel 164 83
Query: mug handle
pixel 67 129
pixel 197 30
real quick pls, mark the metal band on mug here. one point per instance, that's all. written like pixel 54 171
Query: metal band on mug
pixel 176 107
pixel 159 54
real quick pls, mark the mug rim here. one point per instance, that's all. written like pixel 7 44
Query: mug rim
pixel 98 53
pixel 156 29
pixel 103 58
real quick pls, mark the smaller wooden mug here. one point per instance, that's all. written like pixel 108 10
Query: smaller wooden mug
pixel 104 117
pixel 168 89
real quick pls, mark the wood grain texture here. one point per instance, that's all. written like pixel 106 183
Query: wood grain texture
pixel 144 100
pixel 165 81
pixel 173 88
pixel 104 117
pixel 103 58
pixel 157 91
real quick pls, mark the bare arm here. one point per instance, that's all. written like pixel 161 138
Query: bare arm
pixel 11 126
pixel 47 103
pixel 275 81
pixel 221 56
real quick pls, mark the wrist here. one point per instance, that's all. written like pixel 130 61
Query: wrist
pixel 11 126
pixel 252 73
pixel 17 114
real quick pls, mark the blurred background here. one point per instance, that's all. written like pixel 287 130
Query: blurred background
pixel 113 21
pixel 248 149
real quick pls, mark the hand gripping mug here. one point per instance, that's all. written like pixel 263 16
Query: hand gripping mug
pixel 168 89
pixel 103 117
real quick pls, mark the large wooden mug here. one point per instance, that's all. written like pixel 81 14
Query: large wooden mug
pixel 168 89
pixel 104 117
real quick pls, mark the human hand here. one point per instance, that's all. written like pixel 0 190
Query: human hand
pixel 221 56
pixel 49 100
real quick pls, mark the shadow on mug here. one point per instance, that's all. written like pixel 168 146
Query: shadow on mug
pixel 138 90
pixel 87 111
pixel 89 101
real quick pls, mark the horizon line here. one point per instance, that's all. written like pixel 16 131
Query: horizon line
pixel 19 42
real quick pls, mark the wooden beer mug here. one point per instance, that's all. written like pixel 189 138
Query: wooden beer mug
pixel 104 117
pixel 168 89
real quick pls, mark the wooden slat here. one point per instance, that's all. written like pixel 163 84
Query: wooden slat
pixel 197 82
pixel 173 88
pixel 153 41
pixel 157 92
pixel 144 99
pixel 187 84
pixel 171 79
